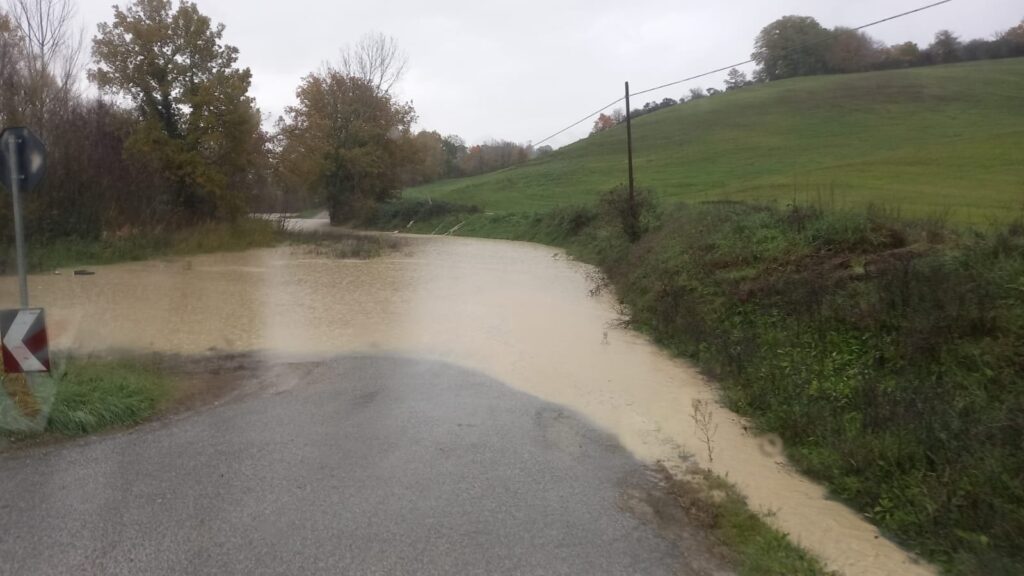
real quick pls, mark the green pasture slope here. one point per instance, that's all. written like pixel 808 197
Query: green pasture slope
pixel 941 140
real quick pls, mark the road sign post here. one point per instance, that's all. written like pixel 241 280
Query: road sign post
pixel 28 390
pixel 25 158
pixel 14 182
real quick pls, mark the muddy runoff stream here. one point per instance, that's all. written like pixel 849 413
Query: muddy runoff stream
pixel 519 312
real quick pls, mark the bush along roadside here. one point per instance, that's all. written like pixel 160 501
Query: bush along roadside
pixel 887 353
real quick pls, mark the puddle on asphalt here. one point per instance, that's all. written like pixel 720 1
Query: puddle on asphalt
pixel 519 312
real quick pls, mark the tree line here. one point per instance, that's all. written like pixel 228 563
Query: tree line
pixel 171 136
pixel 448 156
pixel 800 46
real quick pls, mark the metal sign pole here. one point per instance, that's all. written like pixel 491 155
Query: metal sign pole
pixel 24 348
pixel 19 233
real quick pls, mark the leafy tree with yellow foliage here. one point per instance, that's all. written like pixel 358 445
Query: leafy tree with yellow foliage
pixel 199 126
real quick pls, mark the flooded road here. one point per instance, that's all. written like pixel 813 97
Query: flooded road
pixel 520 313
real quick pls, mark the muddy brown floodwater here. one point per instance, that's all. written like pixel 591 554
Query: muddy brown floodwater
pixel 519 312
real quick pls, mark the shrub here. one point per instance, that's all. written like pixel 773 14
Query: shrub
pixel 635 215
pixel 888 354
pixel 573 220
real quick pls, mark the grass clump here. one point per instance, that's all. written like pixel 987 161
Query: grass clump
pixel 89 396
pixel 348 245
pixel 93 395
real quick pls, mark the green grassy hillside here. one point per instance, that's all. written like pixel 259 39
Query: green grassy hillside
pixel 938 140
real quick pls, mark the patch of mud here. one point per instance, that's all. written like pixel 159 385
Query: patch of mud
pixel 203 381
pixel 651 496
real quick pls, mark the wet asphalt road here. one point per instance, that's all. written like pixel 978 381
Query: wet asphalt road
pixel 367 465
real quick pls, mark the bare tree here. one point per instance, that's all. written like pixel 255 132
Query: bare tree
pixel 53 49
pixel 377 59
pixel 11 71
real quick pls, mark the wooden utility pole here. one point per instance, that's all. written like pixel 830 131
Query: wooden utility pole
pixel 631 224
pixel 629 147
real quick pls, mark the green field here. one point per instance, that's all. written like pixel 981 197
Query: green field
pixel 941 140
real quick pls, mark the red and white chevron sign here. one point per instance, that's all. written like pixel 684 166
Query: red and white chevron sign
pixel 23 337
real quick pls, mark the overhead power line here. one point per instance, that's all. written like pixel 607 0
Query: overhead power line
pixel 736 65
pixel 581 120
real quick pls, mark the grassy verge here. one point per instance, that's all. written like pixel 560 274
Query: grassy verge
pixel 888 354
pixel 420 216
pixel 757 548
pixel 89 396
pixel 95 395
pixel 240 235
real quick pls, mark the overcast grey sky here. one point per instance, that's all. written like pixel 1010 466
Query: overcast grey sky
pixel 522 70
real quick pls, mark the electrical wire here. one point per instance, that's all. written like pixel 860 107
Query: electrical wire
pixel 736 65
pixel 582 120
